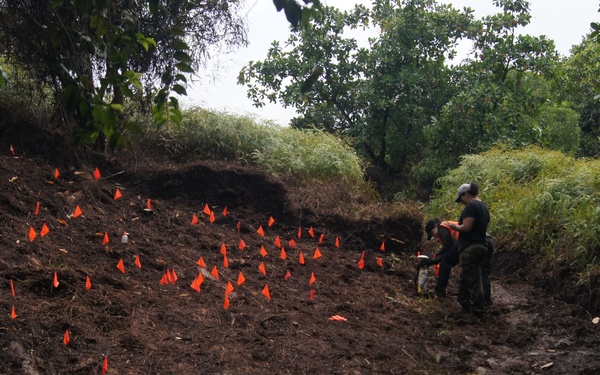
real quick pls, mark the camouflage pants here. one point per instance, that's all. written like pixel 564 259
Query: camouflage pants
pixel 470 291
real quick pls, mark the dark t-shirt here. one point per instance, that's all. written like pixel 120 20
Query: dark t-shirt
pixel 479 211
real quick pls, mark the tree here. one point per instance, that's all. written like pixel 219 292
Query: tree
pixel 96 54
pixel 382 96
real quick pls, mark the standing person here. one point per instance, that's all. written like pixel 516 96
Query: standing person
pixel 447 255
pixel 472 247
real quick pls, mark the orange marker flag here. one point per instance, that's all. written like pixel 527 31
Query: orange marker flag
pixel 241 279
pixel 96 174
pixel 225 261
pixel 263 251
pixel 225 211
pixel 299 232
pixel 229 288
pixel 44 230
pixel 173 277
pixel 117 194
pixel 88 283
pixel 287 275
pixel 200 278
pixel 201 263
pixel 207 209
pixel 12 288
pixel 317 253
pixel 382 246
pixel 138 264
pixel 105 239
pixel 380 262
pixel 282 254
pixel 266 293
pixel 211 217
pixel 148 204
pixel 66 338
pixel 312 278
pixel 105 365
pixel 337 241
pixel 77 212
pixel 215 272
pixel 120 266
pixel 292 243
pixel 242 245
pixel 164 279
pixel 13 313
pixel 56 174
pixel 277 242
pixel 301 260
pixel 238 226
pixel 312 294
pixel 260 231
pixel 37 208
pixel 361 262
pixel 262 269
pixel 271 221
pixel 223 249
pixel 12 149
pixel 226 302
pixel 321 238
pixel 311 232
pixel 55 281
pixel 32 234
pixel 194 219
pixel 196 285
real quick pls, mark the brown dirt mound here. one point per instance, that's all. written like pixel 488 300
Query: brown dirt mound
pixel 145 327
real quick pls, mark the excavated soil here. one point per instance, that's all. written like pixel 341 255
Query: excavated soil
pixel 149 320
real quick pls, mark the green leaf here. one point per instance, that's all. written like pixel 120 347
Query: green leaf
pixel 179 89
pixel 117 107
pixel 153 5
pixel 179 44
pixel 182 56
pixel 184 67
pixel 180 77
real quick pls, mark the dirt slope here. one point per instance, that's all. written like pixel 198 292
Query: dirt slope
pixel 141 326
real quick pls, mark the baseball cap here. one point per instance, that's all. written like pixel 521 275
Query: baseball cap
pixel 429 227
pixel 461 190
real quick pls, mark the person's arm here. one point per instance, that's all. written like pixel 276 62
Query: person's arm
pixel 447 241
pixel 466 226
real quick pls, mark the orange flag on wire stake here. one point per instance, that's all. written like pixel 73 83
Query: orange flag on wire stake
pixel 12 288
pixel 277 242
pixel 138 264
pixel 164 279
pixel 56 174
pixel 117 194
pixel 174 276
pixel 226 302
pixel 271 221
pixel 195 285
pixel 201 263
pixel 66 338
pixel 225 211
pixel 225 261
pixel 12 149
pixel 301 258
pixel 229 288
pixel 241 279
pixel 317 253
pixel 266 293
pixel 105 239
pixel 361 262
pixel 211 217
pixel 282 254
pixel 215 272
pixel 32 234
pixel 13 313
pixel 206 209
pixel 120 266
pixel 337 241
pixel 37 208
pixel 260 231
pixel 44 230
pixel 105 365
pixel 262 269
pixel 194 219
pixel 88 283
pixel 238 226
pixel 242 244
pixel 77 212
pixel 223 248
pixel 299 232
pixel 149 205
pixel 380 262
pixel 382 246
pixel 312 278
pixel 312 294
pixel 292 243
pixel 321 238
pixel 263 251
pixel 311 232
pixel 287 275
pixel 96 174
pixel 55 282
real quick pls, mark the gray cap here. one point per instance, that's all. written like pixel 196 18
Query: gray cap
pixel 461 190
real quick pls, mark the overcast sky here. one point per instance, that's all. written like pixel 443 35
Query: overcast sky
pixel 564 21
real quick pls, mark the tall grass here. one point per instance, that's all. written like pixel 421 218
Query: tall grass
pixel 539 200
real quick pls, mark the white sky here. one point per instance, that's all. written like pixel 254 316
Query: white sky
pixel 564 21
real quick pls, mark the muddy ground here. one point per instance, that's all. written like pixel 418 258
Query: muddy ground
pixel 131 323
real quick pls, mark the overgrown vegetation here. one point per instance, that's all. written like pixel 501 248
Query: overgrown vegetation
pixel 542 202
